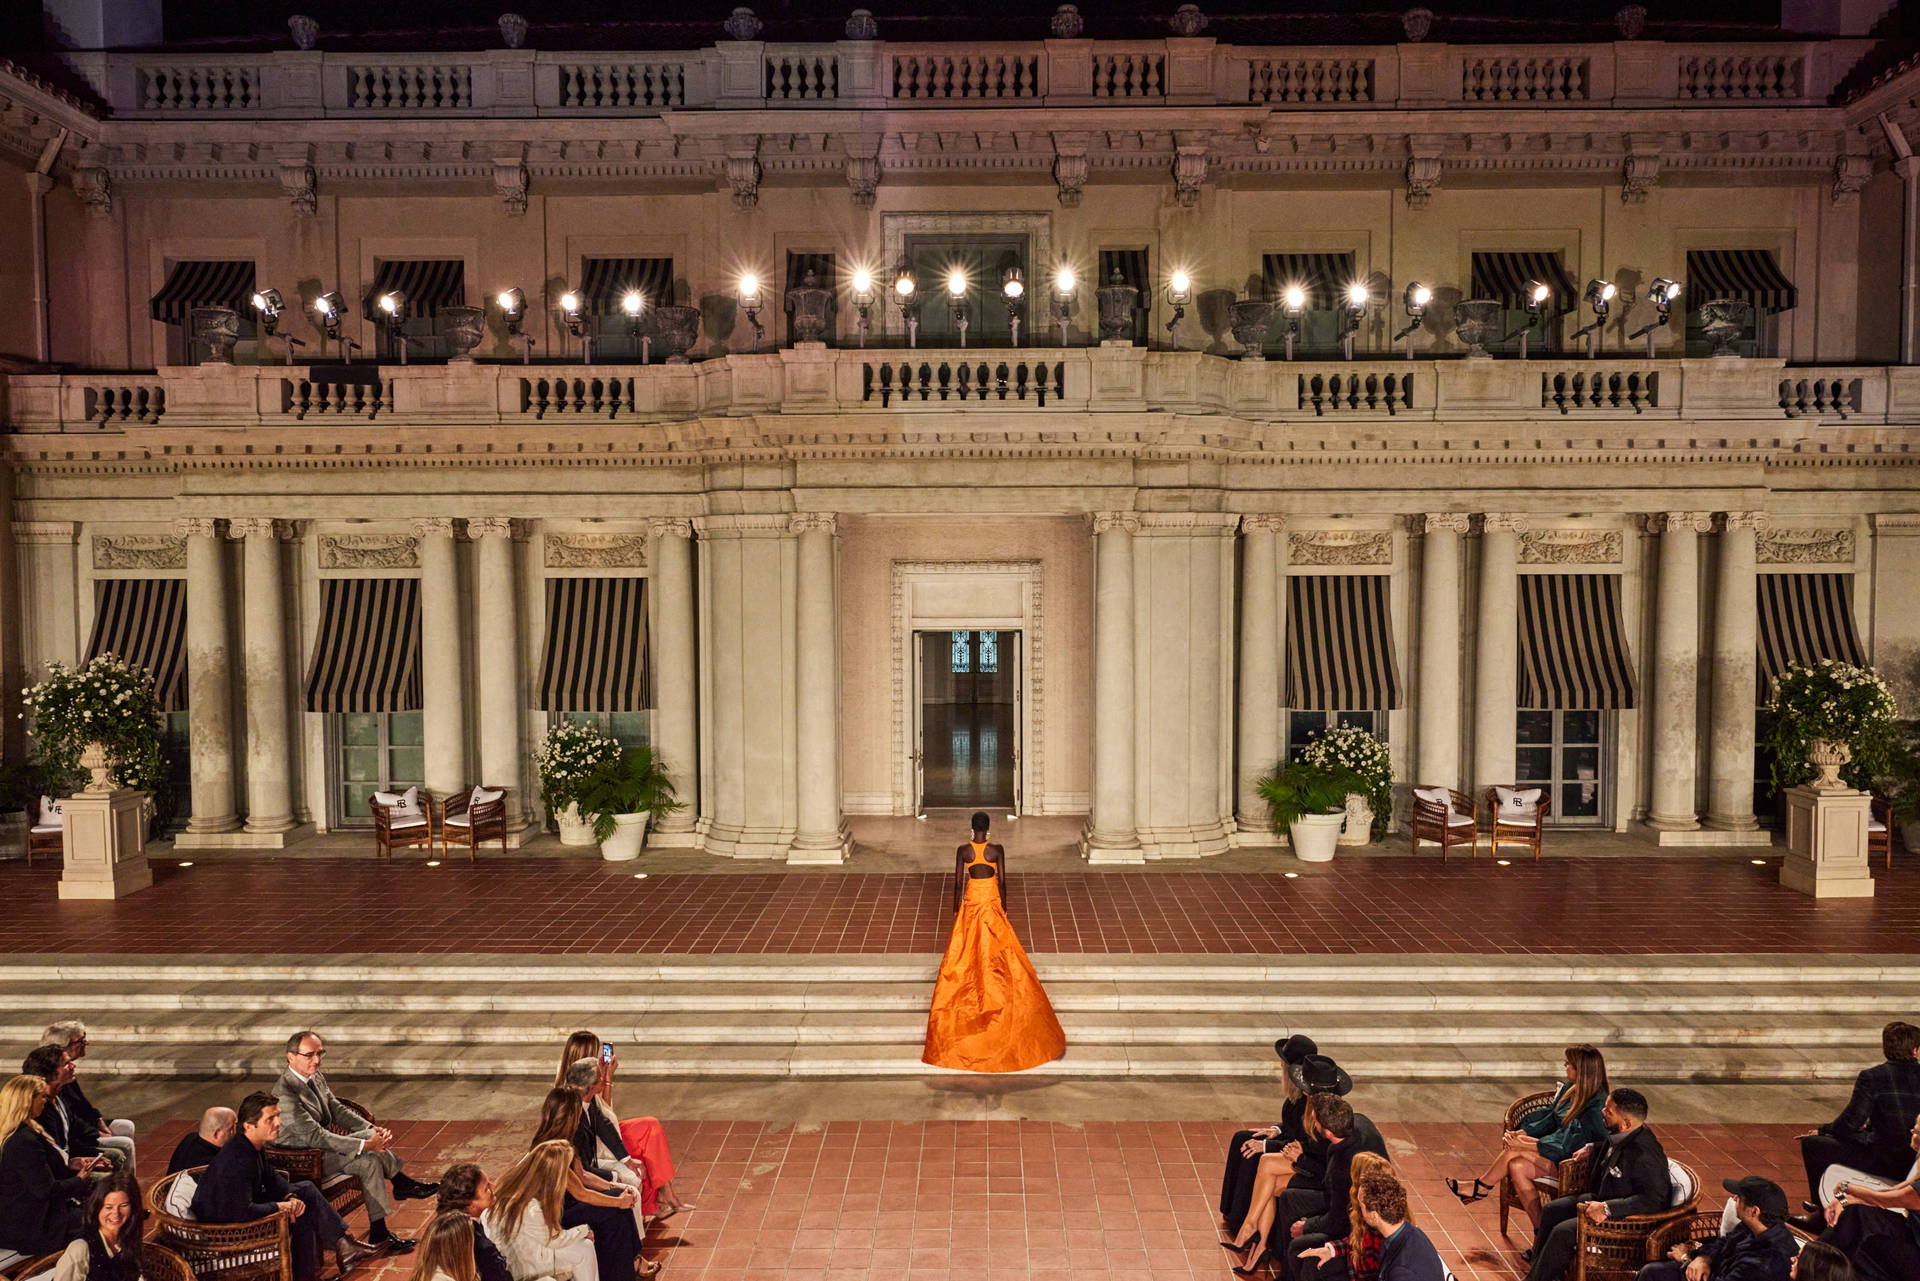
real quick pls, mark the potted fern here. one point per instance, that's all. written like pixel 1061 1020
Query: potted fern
pixel 622 794
pixel 1308 801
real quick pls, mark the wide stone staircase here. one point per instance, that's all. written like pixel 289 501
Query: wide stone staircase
pixel 1761 1018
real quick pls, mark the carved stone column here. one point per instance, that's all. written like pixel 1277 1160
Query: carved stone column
pixel 442 684
pixel 822 836
pixel 1111 836
pixel 264 661
pixel 1496 677
pixel 1261 612
pixel 496 658
pixel 209 680
pixel 1437 733
pixel 1676 670
pixel 1736 643
pixel 674 707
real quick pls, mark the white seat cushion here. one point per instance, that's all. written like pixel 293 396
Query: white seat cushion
pixel 459 820
pixel 401 823
pixel 50 815
pixel 47 827
pixel 1683 1189
pixel 10 1257
pixel 402 806
pixel 1457 819
pixel 1508 819
pixel 180 1197
pixel 1873 825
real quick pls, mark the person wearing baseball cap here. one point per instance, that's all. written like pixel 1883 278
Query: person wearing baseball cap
pixel 1281 1143
pixel 1759 1247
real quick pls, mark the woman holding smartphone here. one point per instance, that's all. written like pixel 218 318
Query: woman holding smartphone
pixel 644 1137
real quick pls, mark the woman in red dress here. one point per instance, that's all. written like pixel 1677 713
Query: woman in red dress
pixel 989 1013
pixel 642 1135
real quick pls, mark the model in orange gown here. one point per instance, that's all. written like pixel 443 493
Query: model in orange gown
pixel 989 1013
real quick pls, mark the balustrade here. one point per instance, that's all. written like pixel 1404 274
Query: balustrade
pixel 1355 390
pixel 1579 388
pixel 302 397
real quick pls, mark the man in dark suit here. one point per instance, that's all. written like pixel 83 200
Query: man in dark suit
pixel 465 1189
pixel 1249 1145
pixel 1347 1134
pixel 51 1065
pixel 1626 1175
pixel 1870 1134
pixel 200 1147
pixel 240 1186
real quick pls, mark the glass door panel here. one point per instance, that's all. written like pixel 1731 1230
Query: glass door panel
pixel 1564 753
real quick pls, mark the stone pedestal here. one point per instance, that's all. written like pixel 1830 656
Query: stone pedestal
pixel 105 844
pixel 1826 843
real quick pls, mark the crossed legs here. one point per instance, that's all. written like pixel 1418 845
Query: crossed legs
pixel 1269 1180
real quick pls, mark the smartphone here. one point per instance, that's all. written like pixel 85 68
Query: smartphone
pixel 606 1052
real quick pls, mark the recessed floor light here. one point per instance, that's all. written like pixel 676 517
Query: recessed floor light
pixel 1292 875
pixel 639 876
pixel 188 863
pixel 1759 862
pixel 433 862
pixel 1504 862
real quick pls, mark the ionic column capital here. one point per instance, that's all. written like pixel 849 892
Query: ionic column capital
pixel 670 527
pixel 433 527
pixel 1106 522
pixel 493 527
pixel 1263 523
pixel 817 522
pixel 197 527
pixel 1505 523
pixel 266 527
pixel 1679 522
pixel 1743 520
pixel 1443 523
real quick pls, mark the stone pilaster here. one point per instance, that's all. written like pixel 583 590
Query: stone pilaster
pixel 1111 836
pixel 1496 678
pixel 1261 606
pixel 209 679
pixel 442 683
pixel 675 708
pixel 1736 642
pixel 1676 670
pixel 496 658
pixel 1437 733
pixel 822 836
pixel 263 650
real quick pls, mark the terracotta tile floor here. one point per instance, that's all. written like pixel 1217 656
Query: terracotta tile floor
pixel 575 905
pixel 1005 1200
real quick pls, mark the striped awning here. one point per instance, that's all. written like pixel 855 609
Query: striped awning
pixel 1504 277
pixel 604 281
pixel 596 646
pixel 1325 277
pixel 1573 646
pixel 1132 265
pixel 1752 274
pixel 821 265
pixel 428 283
pixel 203 283
pixel 144 622
pixel 367 657
pixel 1340 644
pixel 1803 619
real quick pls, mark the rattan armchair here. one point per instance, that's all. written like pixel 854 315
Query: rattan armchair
pixel 389 834
pixel 22 1268
pixel 1517 833
pixel 229 1251
pixel 1617 1249
pixel 1690 1230
pixel 1572 1172
pixel 1446 826
pixel 343 1191
pixel 466 824
pixel 1880 829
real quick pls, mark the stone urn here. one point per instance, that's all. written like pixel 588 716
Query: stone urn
pixel 1827 756
pixel 463 327
pixel 219 329
pixel 1630 20
pixel 1357 825
pixel 1187 20
pixel 1315 836
pixel 742 24
pixel 1723 320
pixel 575 828
pixel 95 760
pixel 811 307
pixel 629 834
pixel 1416 24
pixel 861 26
pixel 1250 320
pixel 513 30
pixel 675 331
pixel 1477 320
pixel 306 32
pixel 1118 300
pixel 1067 23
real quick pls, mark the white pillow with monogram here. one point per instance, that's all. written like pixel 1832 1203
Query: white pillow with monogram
pixel 403 808
pixel 1517 804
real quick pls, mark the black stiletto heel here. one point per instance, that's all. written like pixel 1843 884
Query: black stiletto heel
pixel 1479 1192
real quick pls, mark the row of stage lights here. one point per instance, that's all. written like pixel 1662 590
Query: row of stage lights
pixel 332 308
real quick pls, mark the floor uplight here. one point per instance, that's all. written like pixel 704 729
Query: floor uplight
pixel 188 863
pixel 1504 862
pixel 1759 862
pixel 433 862
pixel 639 876
pixel 1292 875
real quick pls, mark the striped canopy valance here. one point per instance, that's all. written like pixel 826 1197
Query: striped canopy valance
pixel 1752 274
pixel 1325 277
pixel 1340 644
pixel 1505 276
pixel 144 622
pixel 1573 647
pixel 367 657
pixel 428 283
pixel 1803 619
pixel 203 283
pixel 605 281
pixel 596 646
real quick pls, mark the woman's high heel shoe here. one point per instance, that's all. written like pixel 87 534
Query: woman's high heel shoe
pixel 1254 1268
pixel 1244 1251
pixel 1479 1192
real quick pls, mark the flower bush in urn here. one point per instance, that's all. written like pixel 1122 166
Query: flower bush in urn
pixel 567 759
pixel 1833 726
pixel 1354 751
pixel 108 702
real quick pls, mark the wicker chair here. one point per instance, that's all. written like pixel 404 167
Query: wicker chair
pixel 1515 833
pixel 1445 826
pixel 44 837
pixel 465 824
pixel 1571 1174
pixel 157 1263
pixel 1617 1249
pixel 23 1267
pixel 229 1251
pixel 1880 829
pixel 343 1191
pixel 1692 1229
pixel 387 834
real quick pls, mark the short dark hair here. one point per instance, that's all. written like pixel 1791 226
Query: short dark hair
pixel 980 821
pixel 1384 1195
pixel 459 1186
pixel 1822 1262
pixel 293 1042
pixel 1334 1114
pixel 254 1106
pixel 1899 1040
pixel 44 1062
pixel 1631 1101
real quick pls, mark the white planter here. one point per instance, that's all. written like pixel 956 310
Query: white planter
pixel 1910 835
pixel 1314 836
pixel 1357 822
pixel 575 828
pixel 629 833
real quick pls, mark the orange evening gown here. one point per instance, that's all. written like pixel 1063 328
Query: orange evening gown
pixel 989 1013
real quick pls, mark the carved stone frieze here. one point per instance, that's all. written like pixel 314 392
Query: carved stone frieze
pixel 1804 547
pixel 369 551
pixel 139 551
pixel 1340 547
pixel 596 551
pixel 1571 547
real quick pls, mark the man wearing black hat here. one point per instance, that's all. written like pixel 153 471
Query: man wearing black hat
pixel 1759 1248
pixel 1627 1175
pixel 1282 1197
pixel 1347 1134
pixel 1287 1134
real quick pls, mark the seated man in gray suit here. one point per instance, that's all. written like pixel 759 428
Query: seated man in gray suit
pixel 312 1117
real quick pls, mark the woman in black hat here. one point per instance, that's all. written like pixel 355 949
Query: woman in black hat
pixel 1313 1074
pixel 1251 1147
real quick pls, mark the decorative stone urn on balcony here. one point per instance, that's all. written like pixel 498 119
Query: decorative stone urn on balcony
pixel 811 308
pixel 219 329
pixel 1251 318
pixel 1118 301
pixel 1477 320
pixel 464 327
pixel 1723 320
pixel 675 331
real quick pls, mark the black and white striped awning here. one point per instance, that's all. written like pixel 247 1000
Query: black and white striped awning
pixel 1132 266
pixel 144 622
pixel 1803 619
pixel 1752 274
pixel 1504 277
pixel 428 283
pixel 821 265
pixel 1325 277
pixel 367 657
pixel 604 281
pixel 1340 644
pixel 1573 646
pixel 596 646
pixel 202 283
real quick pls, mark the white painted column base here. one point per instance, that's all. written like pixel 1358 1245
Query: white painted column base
pixel 244 839
pixel 1096 848
pixel 833 853
pixel 1254 836
pixel 1826 844
pixel 1700 837
pixel 105 845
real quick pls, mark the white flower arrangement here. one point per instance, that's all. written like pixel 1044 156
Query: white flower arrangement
pixel 1358 753
pixel 1840 703
pixel 109 701
pixel 567 758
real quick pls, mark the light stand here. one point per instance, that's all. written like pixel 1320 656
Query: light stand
pixel 1064 291
pixel 332 307
pixel 863 299
pixel 1179 294
pixel 907 300
pixel 393 305
pixel 270 305
pixel 1415 299
pixel 513 309
pixel 577 324
pixel 633 303
pixel 1296 304
pixel 957 296
pixel 1661 293
pixel 1599 296
pixel 1537 295
pixel 1358 297
pixel 750 302
pixel 1013 287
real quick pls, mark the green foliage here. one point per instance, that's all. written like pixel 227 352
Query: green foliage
pixel 22 783
pixel 630 784
pixel 109 701
pixel 1353 750
pixel 1303 787
pixel 1840 703
pixel 1901 782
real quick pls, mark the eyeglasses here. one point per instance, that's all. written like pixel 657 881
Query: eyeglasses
pixel 310 1054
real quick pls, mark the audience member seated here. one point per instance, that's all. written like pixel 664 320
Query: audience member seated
pixel 108 1247
pixel 1875 1227
pixel 70 1035
pixel 1291 1167
pixel 315 1118
pixel 446 1250
pixel 1537 1148
pixel 1406 1253
pixel 1627 1175
pixel 1348 1134
pixel 607 1208
pixel 240 1186
pixel 78 1143
pixel 1818 1261
pixel 465 1189
pixel 1356 1256
pixel 1759 1246
pixel 1856 1181
pixel 598 1139
pixel 644 1138
pixel 1269 1145
pixel 1870 1134
pixel 201 1146
pixel 526 1218
pixel 40 1192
